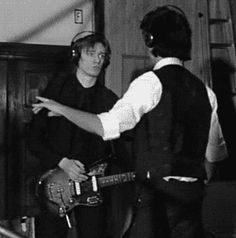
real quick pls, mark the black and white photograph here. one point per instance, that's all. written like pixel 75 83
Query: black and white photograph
pixel 117 119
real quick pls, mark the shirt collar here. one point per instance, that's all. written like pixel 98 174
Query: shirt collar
pixel 167 61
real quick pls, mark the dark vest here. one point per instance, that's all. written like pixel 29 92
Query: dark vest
pixel 172 138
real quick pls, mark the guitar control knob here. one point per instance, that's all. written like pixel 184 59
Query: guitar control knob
pixel 71 200
pixel 61 212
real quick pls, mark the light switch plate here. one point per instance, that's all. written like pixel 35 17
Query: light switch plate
pixel 78 16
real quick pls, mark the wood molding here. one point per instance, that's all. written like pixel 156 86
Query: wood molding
pixel 33 51
pixel 3 118
pixel 99 16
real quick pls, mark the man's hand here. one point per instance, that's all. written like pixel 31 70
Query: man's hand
pixel 74 169
pixel 49 104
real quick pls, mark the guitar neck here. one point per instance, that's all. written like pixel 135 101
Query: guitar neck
pixel 116 179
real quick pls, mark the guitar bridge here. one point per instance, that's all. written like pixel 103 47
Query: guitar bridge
pixel 94 200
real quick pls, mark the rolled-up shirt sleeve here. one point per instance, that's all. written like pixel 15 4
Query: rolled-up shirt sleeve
pixel 142 96
pixel 216 147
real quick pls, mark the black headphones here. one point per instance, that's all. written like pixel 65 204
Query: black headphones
pixel 75 43
pixel 149 39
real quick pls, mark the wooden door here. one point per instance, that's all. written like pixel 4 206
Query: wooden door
pixel 129 54
pixel 24 72
pixel 26 80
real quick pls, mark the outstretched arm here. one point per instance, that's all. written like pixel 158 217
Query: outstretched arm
pixel 87 121
pixel 123 116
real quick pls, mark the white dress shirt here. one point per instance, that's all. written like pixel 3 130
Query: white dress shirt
pixel 143 95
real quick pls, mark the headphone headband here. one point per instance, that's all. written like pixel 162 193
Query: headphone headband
pixel 176 9
pixel 81 35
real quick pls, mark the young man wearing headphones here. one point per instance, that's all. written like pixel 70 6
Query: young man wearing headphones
pixel 176 126
pixel 57 142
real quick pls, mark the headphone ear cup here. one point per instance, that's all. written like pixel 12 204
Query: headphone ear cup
pixel 78 39
pixel 75 43
pixel 75 52
pixel 149 39
pixel 74 55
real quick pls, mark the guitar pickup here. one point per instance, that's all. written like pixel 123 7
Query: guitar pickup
pixel 94 183
pixel 77 188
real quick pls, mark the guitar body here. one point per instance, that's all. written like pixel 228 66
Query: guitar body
pixel 60 194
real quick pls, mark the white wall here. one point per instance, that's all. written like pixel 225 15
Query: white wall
pixel 43 21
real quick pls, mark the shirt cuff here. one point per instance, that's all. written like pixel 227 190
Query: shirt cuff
pixel 110 126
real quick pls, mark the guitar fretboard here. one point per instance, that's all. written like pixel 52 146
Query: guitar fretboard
pixel 116 179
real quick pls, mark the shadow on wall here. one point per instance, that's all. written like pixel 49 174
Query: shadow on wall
pixel 42 26
pixel 222 72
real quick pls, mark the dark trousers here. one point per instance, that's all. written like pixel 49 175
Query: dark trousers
pixel 170 210
pixel 90 223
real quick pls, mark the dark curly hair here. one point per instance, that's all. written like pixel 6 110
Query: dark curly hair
pixel 170 32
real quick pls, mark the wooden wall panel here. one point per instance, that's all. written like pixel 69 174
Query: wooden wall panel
pixel 125 36
pixel 34 78
pixel 30 81
pixel 3 115
pixel 233 14
pixel 14 140
pixel 132 66
pixel 24 72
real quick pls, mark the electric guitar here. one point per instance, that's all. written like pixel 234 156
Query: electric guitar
pixel 60 194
